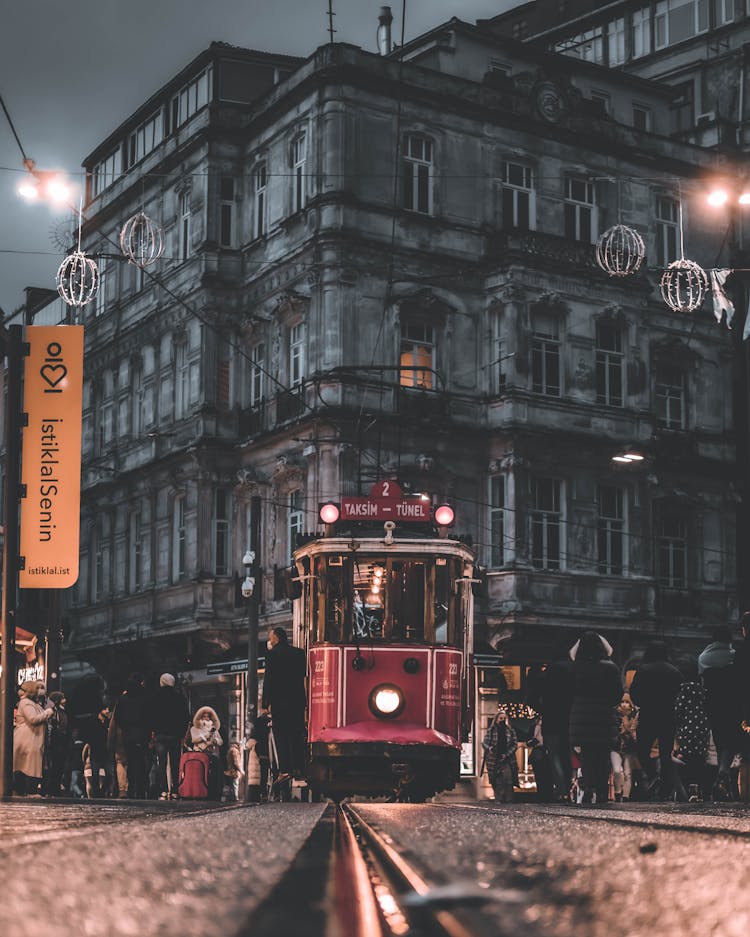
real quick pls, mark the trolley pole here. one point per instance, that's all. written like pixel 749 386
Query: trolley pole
pixel 12 339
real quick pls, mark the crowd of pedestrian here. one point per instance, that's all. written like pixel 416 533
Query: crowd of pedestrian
pixel 663 737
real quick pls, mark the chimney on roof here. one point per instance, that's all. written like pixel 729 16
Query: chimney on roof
pixel 384 31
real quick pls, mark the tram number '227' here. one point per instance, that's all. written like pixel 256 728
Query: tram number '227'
pixel 452 670
pixel 320 666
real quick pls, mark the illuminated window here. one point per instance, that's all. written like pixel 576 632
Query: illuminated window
pixel 518 197
pixel 416 174
pixel 545 355
pixel 670 397
pixel 546 523
pixel 580 210
pixel 417 355
pixel 611 530
pixel 609 365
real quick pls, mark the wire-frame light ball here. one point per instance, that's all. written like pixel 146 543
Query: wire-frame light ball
pixel 620 251
pixel 78 279
pixel 141 240
pixel 684 285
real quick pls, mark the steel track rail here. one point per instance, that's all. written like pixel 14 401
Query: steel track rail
pixel 394 897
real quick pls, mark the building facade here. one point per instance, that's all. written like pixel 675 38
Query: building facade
pixel 383 266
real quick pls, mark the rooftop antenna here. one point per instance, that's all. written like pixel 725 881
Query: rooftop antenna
pixel 331 15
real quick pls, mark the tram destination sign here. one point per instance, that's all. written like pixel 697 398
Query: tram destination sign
pixel 385 503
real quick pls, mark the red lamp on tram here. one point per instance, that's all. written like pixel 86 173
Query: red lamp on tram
pixel 444 515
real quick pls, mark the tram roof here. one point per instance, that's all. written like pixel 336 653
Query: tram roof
pixel 371 542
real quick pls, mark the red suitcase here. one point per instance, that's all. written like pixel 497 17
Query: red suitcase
pixel 192 783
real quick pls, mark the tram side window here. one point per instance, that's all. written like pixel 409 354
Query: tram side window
pixel 443 604
pixel 406 595
pixel 338 572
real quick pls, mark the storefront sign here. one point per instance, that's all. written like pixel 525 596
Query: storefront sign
pixel 51 464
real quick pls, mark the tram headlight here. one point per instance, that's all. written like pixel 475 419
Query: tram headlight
pixel 386 701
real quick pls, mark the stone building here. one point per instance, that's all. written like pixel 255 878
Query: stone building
pixel 383 266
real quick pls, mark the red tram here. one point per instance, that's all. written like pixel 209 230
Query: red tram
pixel 386 612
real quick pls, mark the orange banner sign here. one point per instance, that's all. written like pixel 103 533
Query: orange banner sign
pixel 51 463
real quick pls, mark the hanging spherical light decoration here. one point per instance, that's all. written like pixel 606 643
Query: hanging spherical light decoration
pixel 684 285
pixel 620 251
pixel 77 279
pixel 141 240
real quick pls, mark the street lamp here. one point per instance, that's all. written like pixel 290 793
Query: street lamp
pixel 45 184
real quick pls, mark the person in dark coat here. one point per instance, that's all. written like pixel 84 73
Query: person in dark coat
pixel 59 744
pixel 719 678
pixel 168 718
pixel 285 698
pixel 692 731
pixel 654 691
pixel 129 720
pixel 500 744
pixel 594 722
pixel 553 699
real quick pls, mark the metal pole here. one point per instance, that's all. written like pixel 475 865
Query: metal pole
pixel 14 353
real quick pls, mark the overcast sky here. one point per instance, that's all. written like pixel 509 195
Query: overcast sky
pixel 70 73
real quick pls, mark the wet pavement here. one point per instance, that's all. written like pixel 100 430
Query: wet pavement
pixel 121 870
pixel 196 870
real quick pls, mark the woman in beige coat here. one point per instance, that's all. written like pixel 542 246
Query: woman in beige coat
pixel 29 730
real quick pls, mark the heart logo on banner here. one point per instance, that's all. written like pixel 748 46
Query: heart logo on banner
pixel 53 373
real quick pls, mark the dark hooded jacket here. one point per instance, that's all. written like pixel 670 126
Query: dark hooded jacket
pixel 168 712
pixel 284 682
pixel 655 686
pixel 596 691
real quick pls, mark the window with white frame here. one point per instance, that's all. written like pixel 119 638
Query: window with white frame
pixel 295 519
pixel 616 42
pixel 611 530
pixel 97 566
pixel 677 20
pixel 602 100
pixel 222 515
pixel 546 524
pixel 518 201
pixel 260 182
pixel 725 12
pixel 545 354
pixel 135 551
pixel 417 174
pixel 100 306
pixel 417 356
pixel 178 538
pixel 257 373
pixel 227 234
pixel 296 354
pixel 641 117
pixel 641 35
pixel 299 159
pixel 181 380
pixel 137 400
pixel 497 351
pixel 610 364
pixel 580 210
pixel 667 229
pixel 671 548
pixel 670 392
pixel 497 520
pixel 184 226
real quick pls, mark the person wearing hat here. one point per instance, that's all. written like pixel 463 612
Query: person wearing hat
pixel 29 729
pixel 168 718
